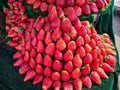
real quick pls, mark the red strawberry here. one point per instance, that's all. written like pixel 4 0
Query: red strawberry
pixel 60 3
pixel 43 6
pixel 58 55
pixel 77 61
pixel 87 39
pixel 87 48
pixel 76 73
pixel 47 72
pixel 80 2
pixel 95 77
pixel 50 49
pixel 28 45
pixel 36 4
pixel 47 61
pixel 47 24
pixel 37 79
pixel 96 37
pixel 98 50
pixel 77 24
pixel 103 52
pixel 39 69
pixel 81 52
pixel 67 86
pixel 34 41
pixel 93 7
pixel 47 83
pixel 109 51
pixel 66 25
pixel 82 31
pixel 86 81
pixel 33 53
pixel 40 47
pixel 40 24
pixel 93 30
pixel 55 76
pixel 17 55
pixel 65 75
pixel 29 75
pixel 55 23
pixel 100 3
pixel 70 13
pixel 87 1
pixel 78 10
pixel 80 41
pixel 56 34
pixel 51 1
pixel 68 55
pixel 85 70
pixel 60 45
pixel 39 59
pixel 71 45
pixel 73 33
pixel 57 65
pixel 32 63
pixel 85 23
pixel 100 57
pixel 60 12
pixel 18 62
pixel 86 9
pixel 111 60
pixel 27 56
pixel 107 68
pixel 24 68
pixel 48 38
pixel 88 59
pixel 107 45
pixel 41 35
pixel 70 3
pixel 102 73
pixel 68 66
pixel 57 85
pixel 66 37
pixel 94 54
pixel 95 64
pixel 13 43
pixel 100 44
pixel 77 83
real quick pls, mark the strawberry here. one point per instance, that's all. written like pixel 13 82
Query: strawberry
pixel 13 43
pixel 100 3
pixel 66 37
pixel 76 73
pixel 77 83
pixel 39 58
pixel 70 13
pixel 47 83
pixel 85 23
pixel 57 85
pixel 51 1
pixel 85 70
pixel 32 63
pixel 65 76
pixel 66 25
pixel 60 3
pixel 77 61
pixel 103 52
pixel 28 46
pixel 102 73
pixel 107 68
pixel 78 10
pixel 94 54
pixel 47 24
pixel 87 1
pixel 60 12
pixel 70 3
pixel 29 75
pixel 95 64
pixel 56 34
pixel 50 49
pixel 43 6
pixel 87 39
pixel 100 57
pixel 107 45
pixel 111 60
pixel 95 77
pixel 18 62
pixel 37 79
pixel 40 47
pixel 68 55
pixel 96 37
pixel 93 7
pixel 55 23
pixel 80 3
pixel 33 53
pixel 34 41
pixel 100 44
pixel 30 1
pixel 88 59
pixel 48 38
pixel 58 55
pixel 67 86
pixel 23 68
pixel 73 33
pixel 87 48
pixel 98 50
pixel 81 52
pixel 17 55
pixel 60 45
pixel 80 41
pixel 36 4
pixel 41 35
pixel 68 66
pixel 47 61
pixel 47 72
pixel 109 51
pixel 71 45
pixel 55 76
pixel 39 69
pixel 86 81
pixel 82 31
pixel 40 24
pixel 27 56
pixel 86 9
pixel 57 65
pixel 77 24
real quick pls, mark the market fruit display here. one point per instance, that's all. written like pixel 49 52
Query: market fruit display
pixel 58 50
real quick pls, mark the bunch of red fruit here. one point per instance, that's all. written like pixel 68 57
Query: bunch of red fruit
pixel 58 51
pixel 80 6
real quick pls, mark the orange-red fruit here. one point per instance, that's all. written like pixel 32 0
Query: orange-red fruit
pixel 60 45
pixel 107 68
pixel 85 70
pixel 80 41
pixel 37 79
pixel 102 73
pixel 86 81
pixel 77 83
pixel 77 61
pixel 65 76
pixel 57 65
pixel 57 85
pixel 71 45
pixel 56 76
pixel 47 71
pixel 50 49
pixel 47 61
pixel 29 75
pixel 76 73
pixel 81 52
pixel 68 55
pixel 39 69
pixel 95 77
pixel 88 59
pixel 68 66
pixel 67 86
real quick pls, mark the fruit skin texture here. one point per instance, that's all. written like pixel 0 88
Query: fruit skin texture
pixel 60 45
pixel 86 81
pixel 77 83
pixel 65 75
pixel 86 9
pixel 107 68
pixel 102 73
pixel 76 73
pixel 77 61
pixel 68 56
pixel 29 75
pixel 68 66
pixel 57 85
pixel 67 86
pixel 95 77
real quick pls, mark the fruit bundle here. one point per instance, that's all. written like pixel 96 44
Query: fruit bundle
pixel 85 7
pixel 58 50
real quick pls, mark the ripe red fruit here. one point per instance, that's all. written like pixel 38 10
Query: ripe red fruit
pixel 60 3
pixel 27 56
pixel 102 73
pixel 77 83
pixel 80 41
pixel 18 62
pixel 95 64
pixel 60 12
pixel 77 24
pixel 67 86
pixel 86 81
pixel 34 41
pixel 40 47
pixel 107 68
pixel 47 61
pixel 85 23
pixel 50 49
pixel 41 35
pixel 77 61
pixel 55 76
pixel 86 9
pixel 57 65
pixel 109 51
pixel 85 70
pixel 48 38
pixel 68 66
pixel 39 69
pixel 81 52
pixel 33 53
pixel 47 83
pixel 68 55
pixel 78 10
pixel 37 79
pixel 56 34
pixel 43 6
pixel 65 76
pixel 57 85
pixel 28 45
pixel 51 1
pixel 93 7
pixel 87 48
pixel 24 68
pixel 36 4
pixel 55 23
pixel 47 72
pixel 94 54
pixel 71 45
pixel 66 37
pixel 95 77
pixel 80 2
pixel 87 39
pixel 69 3
pixel 88 59
pixel 73 33
pixel 32 63
pixel 76 73
pixel 60 45
pixel 58 55
pixel 92 43
pixel 29 75
pixel 30 1
pixel 39 59
pixel 82 31
pixel 17 55
pixel 100 3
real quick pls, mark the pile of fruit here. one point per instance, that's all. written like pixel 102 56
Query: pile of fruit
pixel 85 7
pixel 58 50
